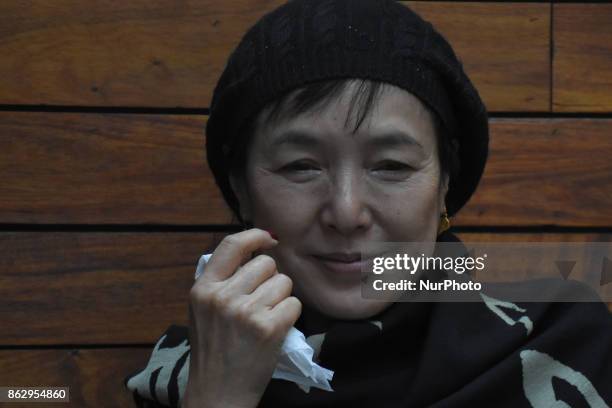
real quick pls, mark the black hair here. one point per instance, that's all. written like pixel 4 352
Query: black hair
pixel 316 96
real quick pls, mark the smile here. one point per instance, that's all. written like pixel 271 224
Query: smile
pixel 348 266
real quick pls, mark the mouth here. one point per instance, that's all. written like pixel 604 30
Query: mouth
pixel 343 264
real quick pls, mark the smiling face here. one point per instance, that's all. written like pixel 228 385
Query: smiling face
pixel 325 190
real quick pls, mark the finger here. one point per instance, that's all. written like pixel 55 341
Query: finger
pixel 252 274
pixel 286 312
pixel 272 291
pixel 234 250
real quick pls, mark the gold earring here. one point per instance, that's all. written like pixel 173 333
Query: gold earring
pixel 444 223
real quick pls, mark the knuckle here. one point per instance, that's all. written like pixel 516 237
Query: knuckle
pixel 199 294
pixel 230 241
pixel 220 300
pixel 295 305
pixel 284 281
pixel 266 260
pixel 264 330
pixel 241 311
pixel 296 302
pixel 209 299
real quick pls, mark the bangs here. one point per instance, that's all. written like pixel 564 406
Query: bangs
pixel 316 96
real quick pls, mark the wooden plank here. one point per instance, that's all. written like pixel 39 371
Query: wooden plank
pixel 545 172
pixel 533 237
pixel 582 61
pixel 68 53
pixel 117 288
pixel 102 288
pixel 504 48
pixel 516 270
pixel 106 168
pixel 94 376
pixel 141 169
pixel 104 53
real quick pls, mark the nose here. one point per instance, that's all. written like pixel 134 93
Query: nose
pixel 347 210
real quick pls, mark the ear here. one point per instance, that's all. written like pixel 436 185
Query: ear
pixel 240 190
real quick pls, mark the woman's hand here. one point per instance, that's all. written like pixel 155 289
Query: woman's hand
pixel 240 312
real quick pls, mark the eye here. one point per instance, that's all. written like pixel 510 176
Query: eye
pixel 392 170
pixel 390 165
pixel 300 166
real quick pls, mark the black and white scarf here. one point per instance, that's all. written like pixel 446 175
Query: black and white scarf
pixel 490 353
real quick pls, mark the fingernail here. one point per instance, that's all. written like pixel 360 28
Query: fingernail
pixel 273 235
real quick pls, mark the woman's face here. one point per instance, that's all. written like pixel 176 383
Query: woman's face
pixel 323 190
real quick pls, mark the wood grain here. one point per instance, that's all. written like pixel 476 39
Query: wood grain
pixel 97 301
pixel 582 62
pixel 117 288
pixel 95 288
pixel 106 168
pixel 545 172
pixel 503 47
pixel 94 376
pixel 157 53
pixel 71 168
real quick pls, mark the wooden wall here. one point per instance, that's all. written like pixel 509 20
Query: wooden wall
pixel 106 201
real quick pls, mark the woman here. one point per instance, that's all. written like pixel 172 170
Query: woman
pixel 337 125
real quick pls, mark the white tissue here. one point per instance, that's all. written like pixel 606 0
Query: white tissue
pixel 295 363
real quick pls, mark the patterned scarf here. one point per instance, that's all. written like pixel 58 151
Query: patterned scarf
pixel 490 353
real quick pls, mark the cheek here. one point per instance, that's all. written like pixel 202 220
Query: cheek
pixel 411 210
pixel 278 203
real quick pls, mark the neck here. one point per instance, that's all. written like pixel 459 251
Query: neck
pixel 312 321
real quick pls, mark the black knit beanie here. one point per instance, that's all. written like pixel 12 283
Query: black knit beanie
pixel 304 41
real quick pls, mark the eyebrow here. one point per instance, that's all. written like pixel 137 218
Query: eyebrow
pixel 393 138
pixel 295 137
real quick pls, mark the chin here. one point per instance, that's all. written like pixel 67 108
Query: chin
pixel 349 306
